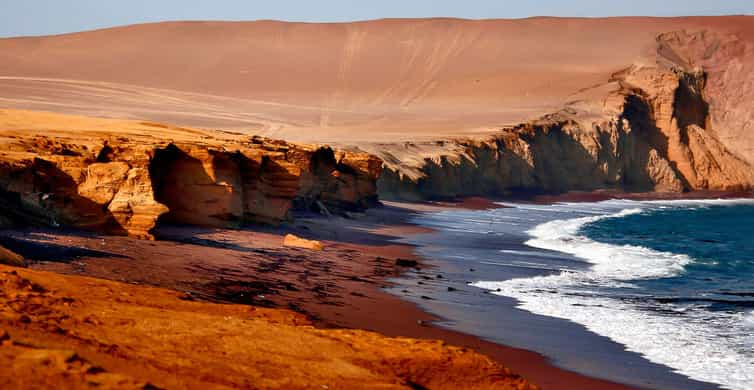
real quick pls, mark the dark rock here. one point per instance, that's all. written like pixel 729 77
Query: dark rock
pixel 406 263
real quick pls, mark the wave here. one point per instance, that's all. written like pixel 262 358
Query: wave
pixel 625 262
pixel 690 342
pixel 532 253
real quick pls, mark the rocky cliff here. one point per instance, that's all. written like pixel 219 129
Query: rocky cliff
pixel 125 181
pixel 631 104
pixel 664 124
pixel 454 107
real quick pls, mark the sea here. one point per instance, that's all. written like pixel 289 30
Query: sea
pixel 657 294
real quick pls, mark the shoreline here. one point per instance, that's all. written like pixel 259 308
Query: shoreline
pixel 410 320
pixel 353 297
pixel 453 248
pixel 346 286
pixel 597 196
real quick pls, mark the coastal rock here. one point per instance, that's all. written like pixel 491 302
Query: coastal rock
pixel 9 257
pixel 298 242
pixel 128 183
pixel 677 118
pixel 406 263
pixel 134 207
pixel 662 127
pixel 258 181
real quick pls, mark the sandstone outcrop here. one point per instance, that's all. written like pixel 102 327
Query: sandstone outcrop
pixel 651 127
pixel 298 242
pixel 430 95
pixel 125 181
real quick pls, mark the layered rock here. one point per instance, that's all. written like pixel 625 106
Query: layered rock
pixel 259 181
pixel 125 185
pixel 649 128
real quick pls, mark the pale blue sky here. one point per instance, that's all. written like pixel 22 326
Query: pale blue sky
pixel 40 17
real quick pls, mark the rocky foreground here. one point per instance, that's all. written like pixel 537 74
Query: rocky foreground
pixel 74 332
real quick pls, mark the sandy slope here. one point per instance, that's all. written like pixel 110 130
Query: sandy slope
pixel 76 332
pixel 382 80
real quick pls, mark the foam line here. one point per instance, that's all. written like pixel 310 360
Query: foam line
pixel 691 344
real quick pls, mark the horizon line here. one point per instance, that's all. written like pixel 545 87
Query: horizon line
pixel 356 21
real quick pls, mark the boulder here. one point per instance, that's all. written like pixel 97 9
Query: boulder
pixel 406 263
pixel 9 257
pixel 297 242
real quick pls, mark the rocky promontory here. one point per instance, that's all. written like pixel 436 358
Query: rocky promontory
pixel 124 177
pixel 673 122
pixel 453 107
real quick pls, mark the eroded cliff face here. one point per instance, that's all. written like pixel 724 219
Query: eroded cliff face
pixel 127 185
pixel 259 181
pixel 658 127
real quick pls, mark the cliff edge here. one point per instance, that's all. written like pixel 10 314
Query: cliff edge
pixel 676 121
pixel 454 107
pixel 125 177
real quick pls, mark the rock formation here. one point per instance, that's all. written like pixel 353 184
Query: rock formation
pixel 429 97
pixel 651 127
pixel 298 242
pixel 9 257
pixel 125 184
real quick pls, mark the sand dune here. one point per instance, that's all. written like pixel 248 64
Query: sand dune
pixel 382 80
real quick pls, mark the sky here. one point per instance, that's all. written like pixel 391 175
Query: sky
pixel 44 17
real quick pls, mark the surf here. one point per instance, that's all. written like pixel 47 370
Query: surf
pixel 608 298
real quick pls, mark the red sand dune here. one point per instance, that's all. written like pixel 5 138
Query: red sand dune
pixel 381 80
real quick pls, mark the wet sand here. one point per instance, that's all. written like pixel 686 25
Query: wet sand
pixel 341 287
pixel 499 319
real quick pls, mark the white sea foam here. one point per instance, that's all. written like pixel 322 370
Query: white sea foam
pixel 613 262
pixel 691 343
pixel 532 253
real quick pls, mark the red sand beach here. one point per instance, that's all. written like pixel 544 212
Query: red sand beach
pixel 338 288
